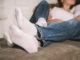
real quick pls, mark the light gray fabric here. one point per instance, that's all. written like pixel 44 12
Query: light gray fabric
pixel 67 50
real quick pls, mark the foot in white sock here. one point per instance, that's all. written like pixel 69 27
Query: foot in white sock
pixel 24 40
pixel 18 14
pixel 42 22
pixel 7 37
pixel 25 24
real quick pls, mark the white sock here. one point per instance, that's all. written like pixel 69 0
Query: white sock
pixel 7 37
pixel 24 40
pixel 42 22
pixel 18 14
pixel 25 24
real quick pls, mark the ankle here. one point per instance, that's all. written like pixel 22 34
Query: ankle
pixel 39 43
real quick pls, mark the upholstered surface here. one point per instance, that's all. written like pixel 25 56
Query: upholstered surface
pixel 67 50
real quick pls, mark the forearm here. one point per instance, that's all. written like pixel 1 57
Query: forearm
pixel 54 20
pixel 78 17
pixel 50 21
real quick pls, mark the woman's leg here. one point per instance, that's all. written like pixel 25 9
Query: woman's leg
pixel 76 37
pixel 59 31
pixel 25 24
pixel 41 11
pixel 40 15
pixel 24 40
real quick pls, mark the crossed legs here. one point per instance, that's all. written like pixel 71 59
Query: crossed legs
pixel 23 35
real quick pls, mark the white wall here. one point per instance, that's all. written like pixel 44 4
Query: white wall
pixel 7 11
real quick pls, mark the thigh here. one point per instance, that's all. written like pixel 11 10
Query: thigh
pixel 60 31
pixel 76 37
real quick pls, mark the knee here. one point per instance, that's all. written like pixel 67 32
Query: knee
pixel 44 3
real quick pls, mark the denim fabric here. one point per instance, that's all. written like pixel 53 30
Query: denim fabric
pixel 42 10
pixel 59 32
pixel 55 31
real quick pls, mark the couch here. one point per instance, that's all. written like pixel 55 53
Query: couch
pixel 66 50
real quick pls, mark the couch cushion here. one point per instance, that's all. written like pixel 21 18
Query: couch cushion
pixel 68 50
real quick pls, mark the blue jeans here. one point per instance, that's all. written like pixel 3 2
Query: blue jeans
pixel 55 32
pixel 42 10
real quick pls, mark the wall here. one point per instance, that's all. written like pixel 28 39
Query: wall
pixel 7 11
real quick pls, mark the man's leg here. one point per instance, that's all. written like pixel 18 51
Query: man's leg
pixel 59 32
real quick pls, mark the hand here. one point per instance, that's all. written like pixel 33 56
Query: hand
pixel 78 17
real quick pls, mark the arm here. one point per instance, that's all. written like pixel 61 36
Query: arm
pixel 78 17
pixel 50 16
pixel 50 20
pixel 55 20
